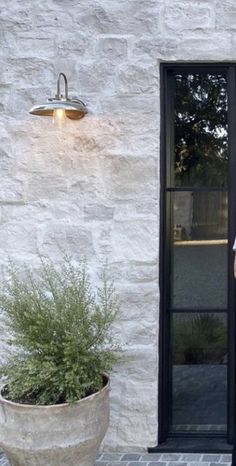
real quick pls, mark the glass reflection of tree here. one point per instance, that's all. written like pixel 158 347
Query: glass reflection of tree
pixel 200 130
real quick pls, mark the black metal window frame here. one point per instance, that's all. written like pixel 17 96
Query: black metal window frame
pixel 164 324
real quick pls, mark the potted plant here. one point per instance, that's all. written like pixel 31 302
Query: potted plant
pixel 54 406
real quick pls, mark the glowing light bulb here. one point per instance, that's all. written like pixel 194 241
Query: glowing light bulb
pixel 59 117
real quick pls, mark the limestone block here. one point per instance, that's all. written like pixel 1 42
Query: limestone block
pixel 232 51
pixel 6 155
pixel 137 331
pixel 98 212
pixel 136 240
pixel 11 189
pixel 44 186
pixel 67 210
pixel 142 356
pixel 186 16
pixel 15 17
pixel 102 241
pixel 212 47
pixel 37 70
pixel 130 139
pixel 113 48
pixel 123 17
pixel 133 272
pixel 138 78
pixel 131 105
pixel 62 18
pixel 147 206
pixel 21 212
pixel 17 102
pixel 129 177
pixel 73 42
pixel 159 48
pixel 25 46
pixel 139 298
pixel 125 210
pixel 119 119
pixel 42 153
pixel 68 65
pixel 226 15
pixel 54 238
pixel 16 235
pixel 130 126
pixel 86 150
pixel 94 78
pixel 126 404
pixel 88 188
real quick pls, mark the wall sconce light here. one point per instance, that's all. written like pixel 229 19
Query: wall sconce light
pixel 61 106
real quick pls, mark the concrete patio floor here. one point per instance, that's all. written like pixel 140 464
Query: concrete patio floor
pixel 154 459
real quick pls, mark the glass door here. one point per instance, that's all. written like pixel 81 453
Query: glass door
pixel 195 260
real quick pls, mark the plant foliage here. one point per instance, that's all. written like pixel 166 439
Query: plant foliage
pixel 61 329
pixel 201 132
pixel 200 340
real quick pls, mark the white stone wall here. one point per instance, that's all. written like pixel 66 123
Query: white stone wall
pixel 93 187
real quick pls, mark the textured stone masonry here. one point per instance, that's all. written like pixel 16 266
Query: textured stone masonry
pixel 93 187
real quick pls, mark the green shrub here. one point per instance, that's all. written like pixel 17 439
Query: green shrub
pixel 61 329
pixel 199 340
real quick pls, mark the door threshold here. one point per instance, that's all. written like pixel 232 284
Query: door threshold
pixel 193 445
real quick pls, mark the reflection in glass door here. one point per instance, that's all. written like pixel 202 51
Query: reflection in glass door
pixel 199 306
pixel 197 231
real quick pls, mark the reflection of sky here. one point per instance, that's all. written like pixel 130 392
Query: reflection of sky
pixel 219 131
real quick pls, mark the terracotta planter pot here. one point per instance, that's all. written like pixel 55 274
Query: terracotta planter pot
pixel 55 435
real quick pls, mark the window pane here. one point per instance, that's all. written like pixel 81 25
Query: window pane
pixel 198 250
pixel 199 372
pixel 200 130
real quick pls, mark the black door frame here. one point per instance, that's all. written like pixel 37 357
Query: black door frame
pixel 164 336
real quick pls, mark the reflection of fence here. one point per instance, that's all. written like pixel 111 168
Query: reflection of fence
pixel 209 215
pixel 199 274
pixel 202 242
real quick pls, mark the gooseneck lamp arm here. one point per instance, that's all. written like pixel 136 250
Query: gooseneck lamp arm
pixel 58 94
pixel 74 108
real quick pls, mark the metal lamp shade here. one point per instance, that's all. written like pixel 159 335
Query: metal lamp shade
pixel 74 109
